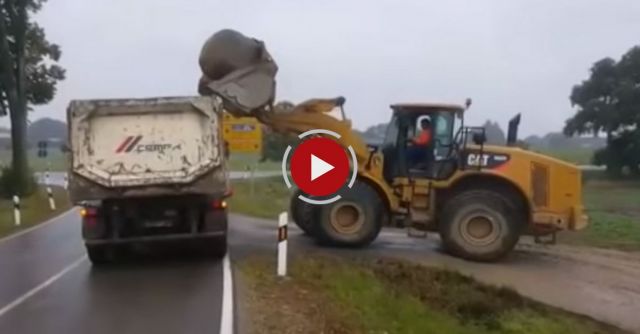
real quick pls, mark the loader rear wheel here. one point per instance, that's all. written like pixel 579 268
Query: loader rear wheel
pixel 354 220
pixel 301 213
pixel 480 225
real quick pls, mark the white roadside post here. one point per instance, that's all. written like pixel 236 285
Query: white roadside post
pixel 16 210
pixel 52 202
pixel 282 244
pixel 66 181
pixel 252 181
pixel 46 176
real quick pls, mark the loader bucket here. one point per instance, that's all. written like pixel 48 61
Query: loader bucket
pixel 238 69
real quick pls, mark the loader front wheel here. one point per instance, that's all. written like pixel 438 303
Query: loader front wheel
pixel 301 213
pixel 480 225
pixel 354 220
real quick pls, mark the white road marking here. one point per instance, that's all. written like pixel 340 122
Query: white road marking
pixel 41 286
pixel 33 228
pixel 226 318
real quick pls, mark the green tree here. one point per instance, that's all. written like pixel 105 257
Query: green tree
pixel 274 144
pixel 28 76
pixel 609 102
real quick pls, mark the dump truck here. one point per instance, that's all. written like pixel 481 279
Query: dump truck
pixel 148 171
pixel 479 198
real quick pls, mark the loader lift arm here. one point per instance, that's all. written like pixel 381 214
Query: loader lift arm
pixel 313 114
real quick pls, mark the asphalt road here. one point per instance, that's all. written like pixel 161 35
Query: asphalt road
pixel 47 285
pixel 167 296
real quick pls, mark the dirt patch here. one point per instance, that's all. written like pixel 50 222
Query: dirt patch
pixel 475 303
pixel 288 306
pixel 458 295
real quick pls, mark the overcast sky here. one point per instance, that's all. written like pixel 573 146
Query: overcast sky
pixel 509 56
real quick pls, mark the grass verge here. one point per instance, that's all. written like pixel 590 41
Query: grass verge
pixel 35 209
pixel 613 209
pixel 334 295
pixel 266 198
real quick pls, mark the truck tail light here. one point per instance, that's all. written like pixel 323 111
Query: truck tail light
pixel 218 204
pixel 89 215
pixel 88 212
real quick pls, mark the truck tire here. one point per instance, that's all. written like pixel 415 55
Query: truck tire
pixel 480 225
pixel 301 213
pixel 100 254
pixel 214 248
pixel 354 220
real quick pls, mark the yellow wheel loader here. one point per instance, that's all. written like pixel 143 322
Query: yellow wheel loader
pixel 479 198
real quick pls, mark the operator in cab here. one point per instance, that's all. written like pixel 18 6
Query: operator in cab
pixel 419 151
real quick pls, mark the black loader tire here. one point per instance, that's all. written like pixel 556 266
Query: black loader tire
pixel 301 213
pixel 493 214
pixel 361 205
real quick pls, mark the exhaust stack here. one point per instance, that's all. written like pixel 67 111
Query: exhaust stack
pixel 512 134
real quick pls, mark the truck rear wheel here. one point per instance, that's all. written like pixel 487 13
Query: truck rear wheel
pixel 100 254
pixel 480 225
pixel 214 248
pixel 354 220
pixel 301 213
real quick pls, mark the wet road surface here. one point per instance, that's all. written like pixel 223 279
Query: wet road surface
pixel 144 296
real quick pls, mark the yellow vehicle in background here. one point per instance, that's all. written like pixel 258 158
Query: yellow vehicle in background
pixel 479 198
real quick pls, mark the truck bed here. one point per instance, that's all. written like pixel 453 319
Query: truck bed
pixel 138 147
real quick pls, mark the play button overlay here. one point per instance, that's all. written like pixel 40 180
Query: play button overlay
pixel 319 166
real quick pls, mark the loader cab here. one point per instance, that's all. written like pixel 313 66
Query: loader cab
pixel 435 160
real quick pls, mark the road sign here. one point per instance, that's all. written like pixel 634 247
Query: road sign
pixel 244 134
pixel 42 149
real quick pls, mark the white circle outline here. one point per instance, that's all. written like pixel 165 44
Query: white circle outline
pixel 285 174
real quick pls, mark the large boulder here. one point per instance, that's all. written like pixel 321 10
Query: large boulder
pixel 239 69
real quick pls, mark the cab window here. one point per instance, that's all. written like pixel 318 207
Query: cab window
pixel 391 136
pixel 443 133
